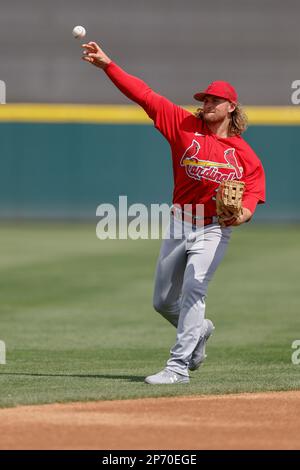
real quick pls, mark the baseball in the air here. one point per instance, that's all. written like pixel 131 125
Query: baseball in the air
pixel 79 32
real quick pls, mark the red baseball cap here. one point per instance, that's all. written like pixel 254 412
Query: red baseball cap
pixel 221 89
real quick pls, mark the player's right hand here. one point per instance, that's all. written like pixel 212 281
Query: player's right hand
pixel 94 54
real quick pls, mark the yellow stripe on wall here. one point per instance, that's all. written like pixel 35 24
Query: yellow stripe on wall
pixel 274 115
pixel 112 114
pixel 128 114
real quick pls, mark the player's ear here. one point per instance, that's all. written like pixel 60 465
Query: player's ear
pixel 231 107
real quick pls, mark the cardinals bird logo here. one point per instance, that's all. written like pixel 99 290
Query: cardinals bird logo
pixel 197 169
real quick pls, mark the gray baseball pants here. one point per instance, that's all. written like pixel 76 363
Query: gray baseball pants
pixel 184 269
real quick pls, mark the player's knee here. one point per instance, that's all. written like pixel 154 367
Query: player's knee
pixel 165 309
pixel 159 305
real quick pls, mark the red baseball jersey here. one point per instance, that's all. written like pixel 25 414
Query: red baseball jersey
pixel 201 159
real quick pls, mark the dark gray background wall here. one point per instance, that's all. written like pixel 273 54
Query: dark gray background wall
pixel 177 46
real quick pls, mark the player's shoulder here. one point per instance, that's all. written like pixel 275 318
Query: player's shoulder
pixel 175 109
pixel 190 121
pixel 169 103
pixel 185 120
pixel 245 150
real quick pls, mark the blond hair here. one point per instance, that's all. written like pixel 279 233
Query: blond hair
pixel 238 122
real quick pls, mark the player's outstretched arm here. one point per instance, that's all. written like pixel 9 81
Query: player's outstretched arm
pixel 132 87
pixel 95 55
pixel 163 112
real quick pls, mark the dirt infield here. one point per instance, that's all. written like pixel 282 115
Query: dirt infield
pixel 244 421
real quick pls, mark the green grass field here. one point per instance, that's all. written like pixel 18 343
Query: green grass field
pixel 77 319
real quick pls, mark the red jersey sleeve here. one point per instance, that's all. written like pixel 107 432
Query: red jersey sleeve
pixel 255 188
pixel 253 174
pixel 165 114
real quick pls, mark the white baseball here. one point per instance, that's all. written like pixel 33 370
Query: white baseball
pixel 79 32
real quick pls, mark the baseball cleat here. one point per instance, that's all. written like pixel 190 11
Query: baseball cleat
pixel 199 355
pixel 166 377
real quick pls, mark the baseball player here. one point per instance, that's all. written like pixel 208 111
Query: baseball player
pixel 207 149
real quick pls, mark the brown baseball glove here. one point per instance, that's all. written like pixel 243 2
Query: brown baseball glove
pixel 229 200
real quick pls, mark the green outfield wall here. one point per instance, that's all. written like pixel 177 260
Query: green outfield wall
pixel 63 161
